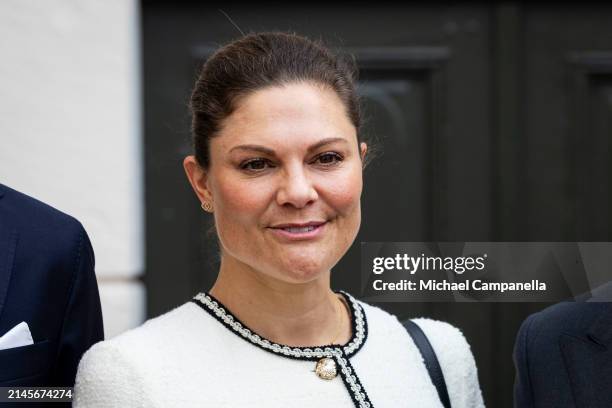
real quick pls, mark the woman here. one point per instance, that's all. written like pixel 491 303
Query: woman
pixel 278 162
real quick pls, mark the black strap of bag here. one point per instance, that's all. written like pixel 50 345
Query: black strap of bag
pixel 431 361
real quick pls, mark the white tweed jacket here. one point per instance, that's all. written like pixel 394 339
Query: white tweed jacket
pixel 200 355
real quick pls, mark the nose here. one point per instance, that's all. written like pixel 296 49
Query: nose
pixel 296 188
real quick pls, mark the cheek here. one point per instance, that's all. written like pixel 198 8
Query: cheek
pixel 239 205
pixel 344 193
pixel 345 199
pixel 238 210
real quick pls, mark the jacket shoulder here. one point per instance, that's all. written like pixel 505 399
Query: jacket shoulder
pixel 154 335
pixel 451 348
pixel 107 378
pixel 565 317
pixel 449 343
pixel 117 371
pixel 456 360
pixel 25 212
pixel 434 329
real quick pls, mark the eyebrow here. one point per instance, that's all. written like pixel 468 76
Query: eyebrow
pixel 266 150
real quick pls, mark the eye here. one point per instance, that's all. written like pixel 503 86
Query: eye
pixel 328 158
pixel 255 165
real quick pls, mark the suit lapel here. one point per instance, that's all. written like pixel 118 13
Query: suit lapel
pixel 588 360
pixel 8 246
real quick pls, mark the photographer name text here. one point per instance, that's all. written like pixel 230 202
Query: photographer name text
pixel 434 285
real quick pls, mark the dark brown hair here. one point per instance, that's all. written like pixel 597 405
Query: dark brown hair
pixel 260 60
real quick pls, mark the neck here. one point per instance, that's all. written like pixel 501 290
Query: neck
pixel 295 314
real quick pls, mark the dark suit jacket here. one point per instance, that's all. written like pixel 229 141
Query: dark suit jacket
pixel 47 280
pixel 563 357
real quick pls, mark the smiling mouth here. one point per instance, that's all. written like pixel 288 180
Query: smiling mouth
pixel 299 229
pixel 299 226
pixel 308 230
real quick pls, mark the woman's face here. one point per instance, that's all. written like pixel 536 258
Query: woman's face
pixel 285 181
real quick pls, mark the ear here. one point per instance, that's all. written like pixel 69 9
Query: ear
pixel 363 148
pixel 198 178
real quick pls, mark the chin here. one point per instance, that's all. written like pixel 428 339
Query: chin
pixel 301 272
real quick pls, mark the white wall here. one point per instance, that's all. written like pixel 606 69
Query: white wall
pixel 70 130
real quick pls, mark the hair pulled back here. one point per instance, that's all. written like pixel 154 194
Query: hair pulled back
pixel 257 61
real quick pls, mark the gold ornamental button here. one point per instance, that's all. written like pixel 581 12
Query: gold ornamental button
pixel 326 368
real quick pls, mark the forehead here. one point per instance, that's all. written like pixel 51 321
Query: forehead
pixel 284 116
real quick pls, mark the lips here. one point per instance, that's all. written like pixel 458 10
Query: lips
pixel 299 227
pixel 299 231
